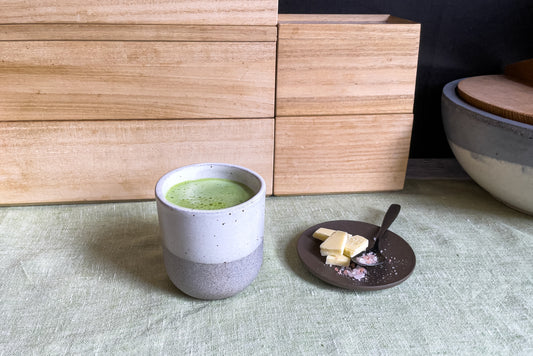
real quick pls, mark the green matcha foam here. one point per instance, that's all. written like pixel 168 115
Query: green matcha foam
pixel 209 194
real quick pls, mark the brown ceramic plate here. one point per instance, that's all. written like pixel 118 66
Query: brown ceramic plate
pixel 400 265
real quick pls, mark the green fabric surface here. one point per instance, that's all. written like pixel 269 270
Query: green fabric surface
pixel 89 278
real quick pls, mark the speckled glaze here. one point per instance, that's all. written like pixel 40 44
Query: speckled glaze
pixel 213 280
pixel 496 152
pixel 212 254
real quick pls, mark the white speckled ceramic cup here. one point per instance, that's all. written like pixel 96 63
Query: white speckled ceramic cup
pixel 212 254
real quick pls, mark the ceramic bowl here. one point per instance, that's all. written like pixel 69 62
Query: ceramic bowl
pixel 497 153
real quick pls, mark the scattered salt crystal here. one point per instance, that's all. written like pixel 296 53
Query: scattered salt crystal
pixel 368 259
pixel 355 272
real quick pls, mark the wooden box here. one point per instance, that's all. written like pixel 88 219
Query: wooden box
pixel 344 99
pixel 99 72
pixel 92 112
pixel 100 98
pixel 76 161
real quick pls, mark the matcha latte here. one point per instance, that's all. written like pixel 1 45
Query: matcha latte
pixel 209 194
pixel 211 218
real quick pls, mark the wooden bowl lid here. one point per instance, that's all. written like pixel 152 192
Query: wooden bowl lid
pixel 520 71
pixel 499 95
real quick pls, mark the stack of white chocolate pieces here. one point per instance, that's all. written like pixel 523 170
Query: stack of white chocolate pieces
pixel 339 247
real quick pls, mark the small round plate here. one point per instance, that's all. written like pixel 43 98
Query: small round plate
pixel 401 257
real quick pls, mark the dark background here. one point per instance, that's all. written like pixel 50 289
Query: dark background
pixel 459 38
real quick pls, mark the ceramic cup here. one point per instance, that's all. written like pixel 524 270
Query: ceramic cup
pixel 212 254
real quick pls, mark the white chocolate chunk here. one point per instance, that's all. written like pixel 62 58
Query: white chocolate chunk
pixel 355 244
pixel 334 245
pixel 323 233
pixel 338 260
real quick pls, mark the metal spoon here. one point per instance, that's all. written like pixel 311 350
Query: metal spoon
pixel 373 256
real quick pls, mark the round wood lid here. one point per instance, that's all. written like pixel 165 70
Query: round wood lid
pixel 499 95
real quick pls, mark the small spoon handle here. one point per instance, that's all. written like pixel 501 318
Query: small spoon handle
pixel 388 219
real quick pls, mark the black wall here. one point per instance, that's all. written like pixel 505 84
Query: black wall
pixel 459 38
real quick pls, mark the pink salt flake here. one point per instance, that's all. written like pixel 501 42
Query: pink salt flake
pixel 356 272
pixel 368 259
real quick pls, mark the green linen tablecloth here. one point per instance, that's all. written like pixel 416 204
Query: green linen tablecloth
pixel 89 279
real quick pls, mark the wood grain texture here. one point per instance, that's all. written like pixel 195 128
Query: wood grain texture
pixel 97 80
pixel 69 161
pixel 334 154
pixel 359 65
pixel 520 71
pixel 341 18
pixel 199 12
pixel 499 95
pixel 142 32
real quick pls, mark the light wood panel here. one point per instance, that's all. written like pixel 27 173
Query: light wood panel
pixel 65 161
pixel 97 80
pixel 341 18
pixel 199 12
pixel 343 65
pixel 334 154
pixel 142 32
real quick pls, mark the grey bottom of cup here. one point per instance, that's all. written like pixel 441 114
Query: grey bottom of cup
pixel 213 281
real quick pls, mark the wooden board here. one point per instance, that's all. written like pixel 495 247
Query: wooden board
pixel 499 95
pixel 334 154
pixel 199 12
pixel 345 64
pixel 520 71
pixel 379 19
pixel 141 32
pixel 70 161
pixel 135 79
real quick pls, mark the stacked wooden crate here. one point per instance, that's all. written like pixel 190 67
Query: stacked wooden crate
pixel 98 98
pixel 344 101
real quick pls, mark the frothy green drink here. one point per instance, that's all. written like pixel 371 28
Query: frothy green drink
pixel 209 194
